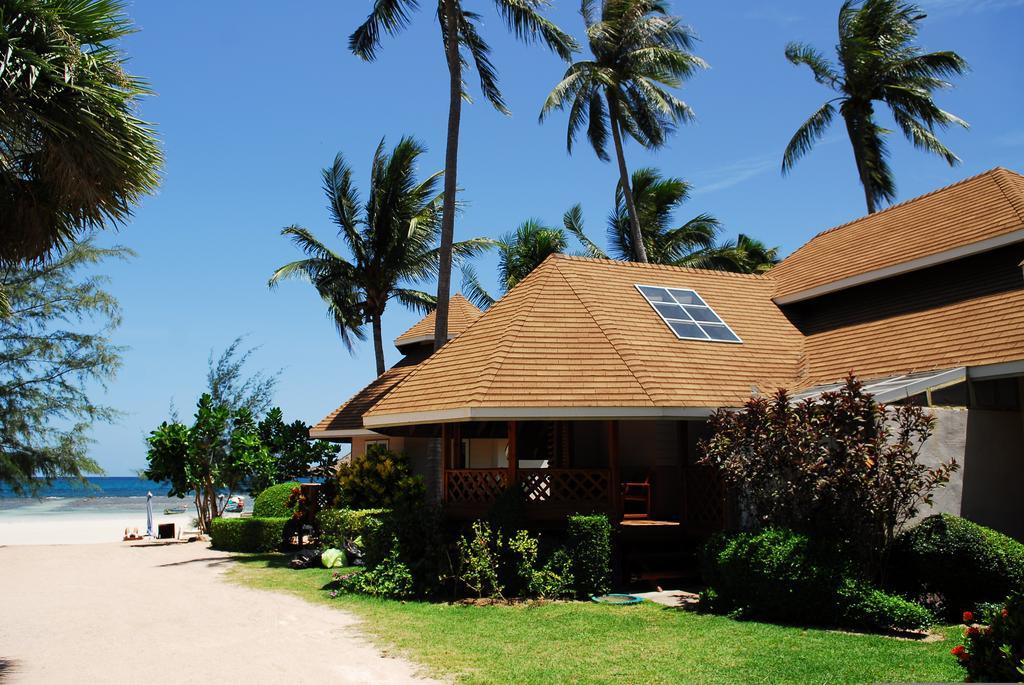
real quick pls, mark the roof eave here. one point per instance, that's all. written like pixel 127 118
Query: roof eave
pixel 905 267
pixel 464 414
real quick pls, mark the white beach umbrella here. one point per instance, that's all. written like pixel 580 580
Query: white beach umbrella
pixel 149 514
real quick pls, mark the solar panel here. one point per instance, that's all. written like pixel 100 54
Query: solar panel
pixel 687 314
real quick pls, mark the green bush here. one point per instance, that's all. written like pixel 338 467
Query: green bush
pixel 248 534
pixel 994 652
pixel 390 578
pixel 778 575
pixel 589 545
pixel 379 478
pixel 273 502
pixel 960 562
pixel 338 525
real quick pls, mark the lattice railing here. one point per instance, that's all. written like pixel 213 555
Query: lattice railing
pixel 566 486
pixel 475 486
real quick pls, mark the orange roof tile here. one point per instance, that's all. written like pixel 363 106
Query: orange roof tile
pixel 461 313
pixel 576 335
pixel 977 213
pixel 982 330
pixel 349 416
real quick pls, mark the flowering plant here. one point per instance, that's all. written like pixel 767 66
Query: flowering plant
pixel 993 649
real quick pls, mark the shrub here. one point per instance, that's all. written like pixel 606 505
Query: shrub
pixel 994 653
pixel 479 560
pixel 589 545
pixel 390 578
pixel 273 502
pixel 379 478
pixel 778 575
pixel 340 525
pixel 248 534
pixel 840 467
pixel 962 563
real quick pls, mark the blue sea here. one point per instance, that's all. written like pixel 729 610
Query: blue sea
pixel 103 495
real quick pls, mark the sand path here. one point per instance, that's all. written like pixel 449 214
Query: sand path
pixel 116 613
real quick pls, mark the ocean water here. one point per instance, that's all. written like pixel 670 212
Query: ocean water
pixel 105 495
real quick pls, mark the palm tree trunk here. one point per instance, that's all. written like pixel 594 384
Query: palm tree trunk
pixel 378 344
pixel 451 160
pixel 639 249
pixel 855 130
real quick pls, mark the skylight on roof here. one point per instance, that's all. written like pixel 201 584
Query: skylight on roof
pixel 687 315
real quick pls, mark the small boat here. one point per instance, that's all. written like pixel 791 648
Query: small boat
pixel 235 504
pixel 177 509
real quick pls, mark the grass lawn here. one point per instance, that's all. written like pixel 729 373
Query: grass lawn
pixel 586 643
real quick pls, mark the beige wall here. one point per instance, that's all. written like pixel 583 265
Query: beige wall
pixel 989 446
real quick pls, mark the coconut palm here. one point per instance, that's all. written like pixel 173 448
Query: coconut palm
pixel 519 253
pixel 523 18
pixel 640 52
pixel 693 243
pixel 878 62
pixel 73 155
pixel 392 239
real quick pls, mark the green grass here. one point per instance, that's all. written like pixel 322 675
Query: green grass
pixel 586 643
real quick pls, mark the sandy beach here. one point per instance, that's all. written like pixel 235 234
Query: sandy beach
pixel 78 530
pixel 163 613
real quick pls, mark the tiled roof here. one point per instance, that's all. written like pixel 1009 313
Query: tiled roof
pixel 349 416
pixel 982 330
pixel 461 313
pixel 577 334
pixel 987 207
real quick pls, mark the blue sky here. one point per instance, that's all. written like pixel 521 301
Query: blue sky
pixel 253 100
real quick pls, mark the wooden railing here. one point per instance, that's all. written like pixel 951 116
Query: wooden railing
pixel 474 486
pixel 555 490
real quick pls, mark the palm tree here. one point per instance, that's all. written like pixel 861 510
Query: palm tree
pixel 523 18
pixel 73 155
pixel 519 253
pixel 878 61
pixel 692 244
pixel 639 53
pixel 392 239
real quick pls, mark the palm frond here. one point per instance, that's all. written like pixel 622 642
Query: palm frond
pixel 809 133
pixel 573 222
pixel 823 70
pixel 473 289
pixel 525 21
pixel 388 16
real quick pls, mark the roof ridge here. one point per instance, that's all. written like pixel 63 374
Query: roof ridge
pixel 649 265
pixel 604 334
pixel 453 343
pixel 1013 195
pixel 975 177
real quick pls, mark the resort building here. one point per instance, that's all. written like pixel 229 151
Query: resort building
pixel 589 384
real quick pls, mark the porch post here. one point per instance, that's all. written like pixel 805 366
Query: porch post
pixel 613 465
pixel 446 449
pixel 513 458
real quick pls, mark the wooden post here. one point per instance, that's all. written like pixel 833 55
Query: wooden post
pixel 513 458
pixel 613 465
pixel 445 456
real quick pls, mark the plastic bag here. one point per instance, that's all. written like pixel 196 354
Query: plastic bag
pixel 332 558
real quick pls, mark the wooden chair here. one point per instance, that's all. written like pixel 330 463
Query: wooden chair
pixel 638 492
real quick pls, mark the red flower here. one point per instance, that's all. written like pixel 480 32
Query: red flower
pixel 958 651
pixel 972 631
pixel 1006 612
pixel 968 617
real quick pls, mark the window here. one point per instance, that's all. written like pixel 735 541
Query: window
pixel 372 443
pixel 687 315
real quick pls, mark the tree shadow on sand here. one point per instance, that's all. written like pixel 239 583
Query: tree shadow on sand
pixel 7 669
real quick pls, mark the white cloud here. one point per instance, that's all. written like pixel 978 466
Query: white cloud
pixel 733 174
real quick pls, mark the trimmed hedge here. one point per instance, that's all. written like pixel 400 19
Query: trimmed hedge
pixel 589 545
pixel 962 562
pixel 248 534
pixel 273 502
pixel 777 575
pixel 338 525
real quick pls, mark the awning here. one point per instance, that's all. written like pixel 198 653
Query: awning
pixel 894 388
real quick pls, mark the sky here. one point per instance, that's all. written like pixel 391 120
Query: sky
pixel 252 101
